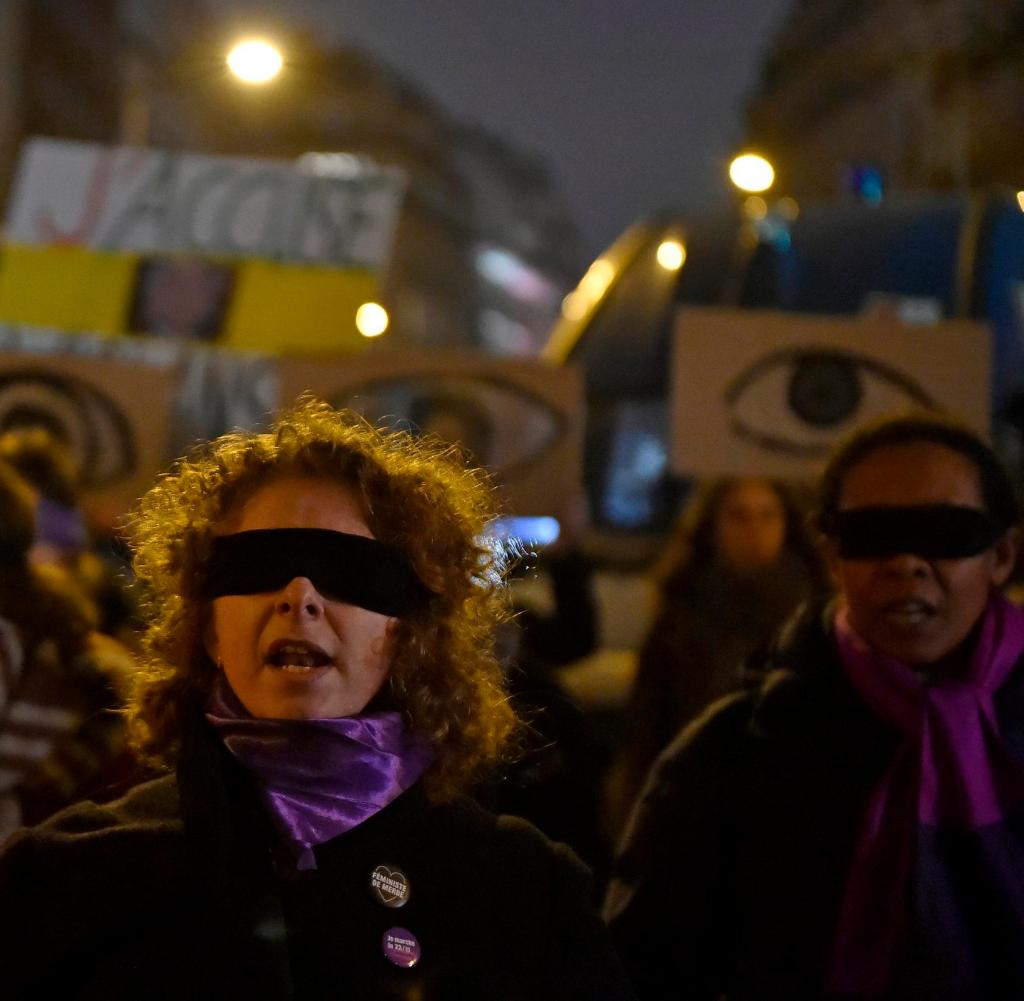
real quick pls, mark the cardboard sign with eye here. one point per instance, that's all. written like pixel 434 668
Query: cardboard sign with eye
pixel 520 419
pixel 110 415
pixel 769 393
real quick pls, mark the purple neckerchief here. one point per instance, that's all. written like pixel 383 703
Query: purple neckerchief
pixel 952 771
pixel 320 777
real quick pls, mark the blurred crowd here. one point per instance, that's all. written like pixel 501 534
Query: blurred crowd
pixel 67 626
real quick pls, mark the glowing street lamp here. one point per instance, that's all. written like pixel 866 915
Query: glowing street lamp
pixel 751 172
pixel 255 61
pixel 671 254
pixel 372 319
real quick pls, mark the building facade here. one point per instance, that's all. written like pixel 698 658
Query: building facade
pixel 152 73
pixel 525 250
pixel 59 74
pixel 929 93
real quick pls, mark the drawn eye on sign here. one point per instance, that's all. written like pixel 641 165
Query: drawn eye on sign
pixel 500 424
pixel 769 393
pixel 520 418
pixel 76 412
pixel 793 400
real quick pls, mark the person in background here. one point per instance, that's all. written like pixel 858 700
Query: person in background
pixel 320 674
pixel 62 535
pixel 46 466
pixel 61 736
pixel 741 561
pixel 853 828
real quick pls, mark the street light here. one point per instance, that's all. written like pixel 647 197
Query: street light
pixel 372 319
pixel 751 172
pixel 255 60
pixel 252 61
pixel 671 254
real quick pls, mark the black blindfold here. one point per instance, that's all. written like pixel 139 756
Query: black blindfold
pixel 933 531
pixel 349 568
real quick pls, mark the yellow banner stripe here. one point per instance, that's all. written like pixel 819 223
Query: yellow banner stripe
pixel 71 288
pixel 293 308
pixel 273 307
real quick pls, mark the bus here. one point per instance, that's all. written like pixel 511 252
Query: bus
pixel 925 258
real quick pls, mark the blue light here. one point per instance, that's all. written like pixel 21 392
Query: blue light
pixel 867 183
pixel 540 531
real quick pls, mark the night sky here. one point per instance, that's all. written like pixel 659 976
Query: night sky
pixel 635 104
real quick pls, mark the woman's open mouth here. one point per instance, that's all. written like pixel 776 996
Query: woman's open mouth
pixel 909 613
pixel 296 656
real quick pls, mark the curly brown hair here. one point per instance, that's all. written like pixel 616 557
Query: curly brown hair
pixel 418 495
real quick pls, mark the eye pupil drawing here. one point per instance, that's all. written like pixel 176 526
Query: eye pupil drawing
pixel 825 390
pixel 808 395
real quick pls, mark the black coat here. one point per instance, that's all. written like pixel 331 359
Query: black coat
pixel 730 877
pixel 172 892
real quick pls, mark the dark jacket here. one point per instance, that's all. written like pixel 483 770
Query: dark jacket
pixel 173 892
pixel 730 877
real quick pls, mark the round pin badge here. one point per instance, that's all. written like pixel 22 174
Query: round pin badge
pixel 390 886
pixel 401 947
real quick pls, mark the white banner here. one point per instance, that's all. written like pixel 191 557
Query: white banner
pixel 128 199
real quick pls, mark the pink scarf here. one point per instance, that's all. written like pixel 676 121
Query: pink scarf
pixel 951 771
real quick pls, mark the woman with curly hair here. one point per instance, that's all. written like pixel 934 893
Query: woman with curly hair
pixel 319 672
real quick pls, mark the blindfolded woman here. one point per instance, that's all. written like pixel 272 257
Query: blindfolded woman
pixel 854 827
pixel 320 675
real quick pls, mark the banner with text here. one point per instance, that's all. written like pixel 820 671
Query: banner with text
pixel 256 254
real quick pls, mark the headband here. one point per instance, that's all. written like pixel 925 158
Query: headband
pixel 349 568
pixel 933 531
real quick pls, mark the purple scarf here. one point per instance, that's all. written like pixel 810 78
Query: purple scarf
pixel 911 907
pixel 320 777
